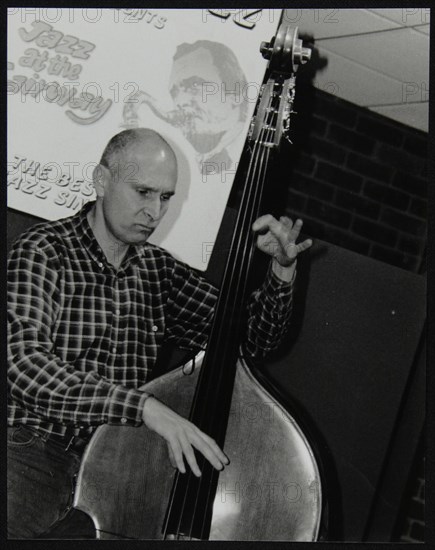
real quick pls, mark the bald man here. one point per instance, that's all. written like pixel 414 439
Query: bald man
pixel 90 304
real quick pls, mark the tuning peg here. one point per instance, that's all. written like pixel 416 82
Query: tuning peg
pixel 300 54
pixel 305 55
pixel 266 49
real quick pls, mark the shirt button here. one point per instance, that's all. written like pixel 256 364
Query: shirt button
pixel 123 420
pixel 155 328
pixel 114 349
pixel 118 312
pixel 100 264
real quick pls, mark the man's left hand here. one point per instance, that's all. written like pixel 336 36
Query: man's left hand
pixel 278 239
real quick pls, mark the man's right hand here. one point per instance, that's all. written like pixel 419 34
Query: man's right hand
pixel 181 435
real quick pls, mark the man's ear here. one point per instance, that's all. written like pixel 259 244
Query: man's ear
pixel 100 178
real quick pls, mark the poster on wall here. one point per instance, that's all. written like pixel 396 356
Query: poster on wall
pixel 76 77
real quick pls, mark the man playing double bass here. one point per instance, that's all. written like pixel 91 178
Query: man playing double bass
pixel 90 304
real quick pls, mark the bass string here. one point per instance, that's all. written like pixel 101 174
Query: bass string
pixel 254 200
pixel 247 260
pixel 170 506
pixel 250 251
pixel 201 459
pixel 243 251
pixel 255 192
pixel 241 240
pixel 222 347
pixel 243 229
pixel 222 303
pixel 189 473
pixel 249 247
pixel 257 210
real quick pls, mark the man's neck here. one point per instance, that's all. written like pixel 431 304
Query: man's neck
pixel 113 249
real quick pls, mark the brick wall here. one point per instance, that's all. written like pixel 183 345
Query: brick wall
pixel 357 179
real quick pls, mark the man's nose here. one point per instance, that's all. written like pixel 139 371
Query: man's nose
pixel 153 208
pixel 183 99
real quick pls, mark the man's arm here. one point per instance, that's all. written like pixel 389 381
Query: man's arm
pixel 53 389
pixel 270 307
pixel 38 379
pixel 269 312
pixel 192 301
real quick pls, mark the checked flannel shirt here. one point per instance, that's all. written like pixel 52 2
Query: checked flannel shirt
pixel 83 336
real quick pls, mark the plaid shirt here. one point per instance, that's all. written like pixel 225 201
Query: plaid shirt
pixel 83 336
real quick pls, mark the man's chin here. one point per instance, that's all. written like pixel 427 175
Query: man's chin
pixel 139 242
pixel 143 235
pixel 136 237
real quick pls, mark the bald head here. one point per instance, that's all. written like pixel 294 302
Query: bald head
pixel 134 183
pixel 137 142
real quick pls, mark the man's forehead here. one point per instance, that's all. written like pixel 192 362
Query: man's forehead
pixel 197 63
pixel 151 148
pixel 142 157
pixel 132 153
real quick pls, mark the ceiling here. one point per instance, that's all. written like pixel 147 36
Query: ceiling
pixel 376 58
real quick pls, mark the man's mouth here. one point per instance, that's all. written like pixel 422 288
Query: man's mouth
pixel 183 116
pixel 145 227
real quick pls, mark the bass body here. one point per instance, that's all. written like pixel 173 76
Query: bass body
pixel 271 490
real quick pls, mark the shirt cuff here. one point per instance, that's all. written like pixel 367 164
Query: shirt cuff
pixel 125 406
pixel 273 284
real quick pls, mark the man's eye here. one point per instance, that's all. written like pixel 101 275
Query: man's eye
pixel 165 198
pixel 194 88
pixel 142 191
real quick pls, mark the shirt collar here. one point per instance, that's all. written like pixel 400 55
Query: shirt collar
pixel 134 253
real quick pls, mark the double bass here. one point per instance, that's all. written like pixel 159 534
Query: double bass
pixel 272 488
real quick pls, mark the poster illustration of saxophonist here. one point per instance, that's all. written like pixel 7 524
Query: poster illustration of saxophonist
pixel 211 117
